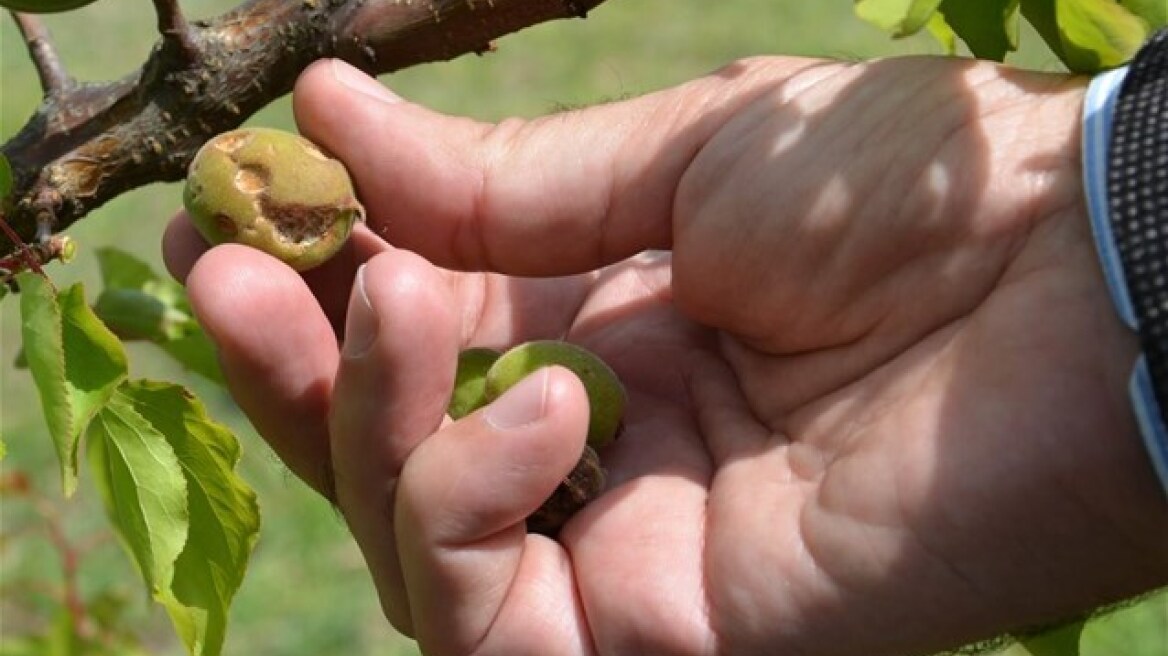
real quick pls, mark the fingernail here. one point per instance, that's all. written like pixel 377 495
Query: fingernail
pixel 358 81
pixel 361 323
pixel 522 404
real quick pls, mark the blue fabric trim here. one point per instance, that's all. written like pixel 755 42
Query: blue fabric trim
pixel 1151 422
pixel 1098 113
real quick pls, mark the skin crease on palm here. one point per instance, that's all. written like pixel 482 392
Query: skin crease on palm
pixel 877 389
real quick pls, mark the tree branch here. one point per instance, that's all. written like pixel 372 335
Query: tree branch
pixel 86 144
pixel 43 54
pixel 177 35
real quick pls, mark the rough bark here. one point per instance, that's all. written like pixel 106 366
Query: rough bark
pixel 88 143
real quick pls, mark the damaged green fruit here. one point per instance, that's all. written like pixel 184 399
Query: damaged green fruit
pixel 272 190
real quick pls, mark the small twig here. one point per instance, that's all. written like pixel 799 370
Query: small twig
pixel 54 79
pixel 70 561
pixel 20 485
pixel 176 31
pixel 24 255
pixel 34 257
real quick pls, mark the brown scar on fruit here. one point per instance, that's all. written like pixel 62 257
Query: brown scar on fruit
pixel 252 179
pixel 274 191
pixel 226 225
pixel 298 224
pixel 232 142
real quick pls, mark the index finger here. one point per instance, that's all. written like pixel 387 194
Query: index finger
pixel 561 194
pixel 182 246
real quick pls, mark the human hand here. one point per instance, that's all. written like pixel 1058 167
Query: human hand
pixel 877 388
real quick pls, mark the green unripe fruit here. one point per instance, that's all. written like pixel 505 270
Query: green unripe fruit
pixel 43 6
pixel 606 394
pixel 272 190
pixel 470 381
pixel 484 374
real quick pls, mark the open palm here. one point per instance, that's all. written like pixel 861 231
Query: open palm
pixel 877 394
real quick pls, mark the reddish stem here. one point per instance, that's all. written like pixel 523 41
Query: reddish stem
pixel 21 248
pixel 70 561
pixel 20 485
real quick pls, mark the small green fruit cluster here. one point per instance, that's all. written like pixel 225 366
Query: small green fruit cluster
pixel 272 190
pixel 483 375
pixel 43 6
pixel 470 381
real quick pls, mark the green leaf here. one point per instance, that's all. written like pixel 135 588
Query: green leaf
pixel 197 353
pixel 899 17
pixel 142 485
pixel 1061 640
pixel 1098 35
pixel 1136 629
pixel 1087 35
pixel 75 361
pixel 138 304
pixel 943 33
pixel 223 513
pixel 1041 15
pixel 988 27
pixel 1153 12
pixel 120 269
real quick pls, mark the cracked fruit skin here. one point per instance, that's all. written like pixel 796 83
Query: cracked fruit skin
pixel 606 394
pixel 272 190
pixel 43 6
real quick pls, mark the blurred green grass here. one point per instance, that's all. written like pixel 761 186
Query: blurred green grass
pixel 307 591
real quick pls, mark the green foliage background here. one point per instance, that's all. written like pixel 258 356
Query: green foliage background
pixel 307 591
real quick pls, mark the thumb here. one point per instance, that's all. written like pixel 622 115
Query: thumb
pixel 556 195
pixel 472 575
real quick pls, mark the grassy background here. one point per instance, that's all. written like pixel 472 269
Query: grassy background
pixel 307 591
